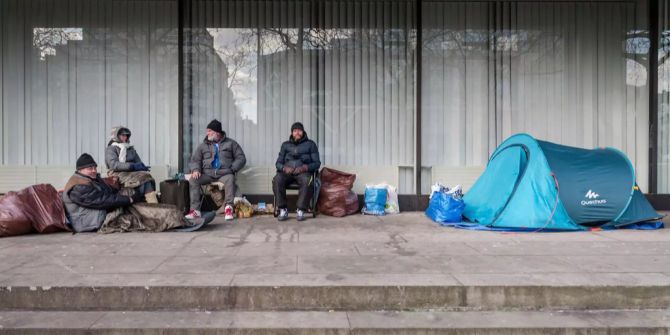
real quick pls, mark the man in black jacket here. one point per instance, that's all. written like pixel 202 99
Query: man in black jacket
pixel 88 198
pixel 298 160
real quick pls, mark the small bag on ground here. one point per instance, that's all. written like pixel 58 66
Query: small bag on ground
pixel 375 200
pixel 176 192
pixel 445 207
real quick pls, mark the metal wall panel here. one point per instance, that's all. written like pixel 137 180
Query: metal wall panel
pixel 569 72
pixel 71 70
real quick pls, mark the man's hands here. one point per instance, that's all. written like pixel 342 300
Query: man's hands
pixel 139 167
pixel 195 174
pixel 301 169
pixel 295 171
pixel 288 170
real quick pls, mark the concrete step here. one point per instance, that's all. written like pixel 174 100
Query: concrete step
pixel 425 322
pixel 336 292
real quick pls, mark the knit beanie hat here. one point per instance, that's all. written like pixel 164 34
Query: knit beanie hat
pixel 215 125
pixel 84 161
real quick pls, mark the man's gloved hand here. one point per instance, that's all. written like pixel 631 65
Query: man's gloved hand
pixel 138 167
pixel 301 169
pixel 288 170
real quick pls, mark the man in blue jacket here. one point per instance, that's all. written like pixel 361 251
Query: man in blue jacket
pixel 298 160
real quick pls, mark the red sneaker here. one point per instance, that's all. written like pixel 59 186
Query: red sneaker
pixel 192 214
pixel 228 213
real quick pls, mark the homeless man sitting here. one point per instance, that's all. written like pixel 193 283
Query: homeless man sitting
pixel 123 162
pixel 297 161
pixel 88 198
pixel 216 159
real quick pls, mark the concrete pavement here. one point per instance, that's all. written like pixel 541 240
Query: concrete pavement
pixel 355 267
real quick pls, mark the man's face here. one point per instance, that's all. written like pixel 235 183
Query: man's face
pixel 89 171
pixel 123 138
pixel 212 135
pixel 297 134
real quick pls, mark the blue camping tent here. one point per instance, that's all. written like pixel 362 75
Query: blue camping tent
pixel 536 185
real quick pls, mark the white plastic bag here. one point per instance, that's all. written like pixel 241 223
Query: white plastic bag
pixel 392 205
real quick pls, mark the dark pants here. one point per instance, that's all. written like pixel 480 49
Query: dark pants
pixel 304 193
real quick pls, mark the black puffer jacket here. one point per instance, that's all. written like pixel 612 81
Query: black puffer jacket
pixel 295 154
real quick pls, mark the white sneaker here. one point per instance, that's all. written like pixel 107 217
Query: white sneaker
pixel 192 214
pixel 300 215
pixel 283 214
pixel 228 213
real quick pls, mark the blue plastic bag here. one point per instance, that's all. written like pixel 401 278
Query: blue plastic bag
pixel 444 208
pixel 375 200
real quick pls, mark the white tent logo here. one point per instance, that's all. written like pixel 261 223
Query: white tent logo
pixel 591 195
pixel 592 199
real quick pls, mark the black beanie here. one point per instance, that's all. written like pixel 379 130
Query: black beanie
pixel 297 125
pixel 215 125
pixel 123 131
pixel 84 161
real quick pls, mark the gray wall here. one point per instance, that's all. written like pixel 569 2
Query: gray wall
pixel 63 89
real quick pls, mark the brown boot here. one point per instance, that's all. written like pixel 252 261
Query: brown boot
pixel 151 198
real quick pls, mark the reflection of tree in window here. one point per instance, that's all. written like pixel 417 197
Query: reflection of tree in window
pixel 47 39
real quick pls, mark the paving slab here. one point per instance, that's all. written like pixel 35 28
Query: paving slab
pixel 47 320
pixel 205 248
pixel 344 280
pixel 504 264
pixel 563 279
pixel 115 280
pixel 370 264
pixel 10 263
pixel 228 265
pixel 298 249
pixel 569 248
pixel 399 246
pixel 88 264
pixel 163 320
pixel 622 263
pixel 472 320
pixel 420 322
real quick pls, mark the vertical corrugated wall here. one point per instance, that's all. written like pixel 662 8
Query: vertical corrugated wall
pixel 570 72
pixel 346 69
pixel 72 69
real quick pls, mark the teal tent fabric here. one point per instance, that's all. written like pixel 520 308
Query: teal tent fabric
pixel 537 185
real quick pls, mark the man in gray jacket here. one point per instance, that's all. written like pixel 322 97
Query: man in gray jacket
pixel 217 158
